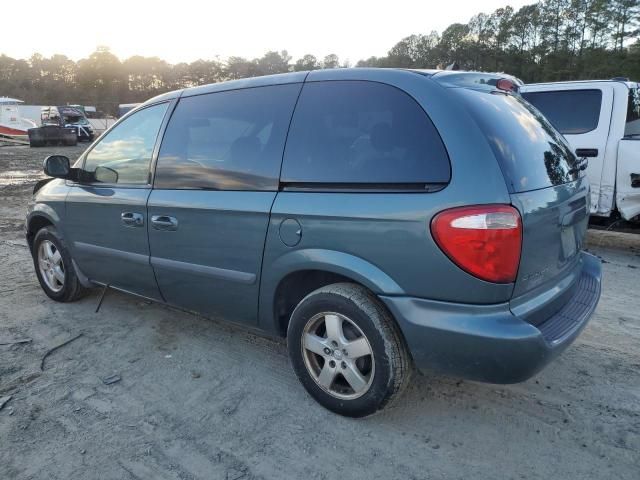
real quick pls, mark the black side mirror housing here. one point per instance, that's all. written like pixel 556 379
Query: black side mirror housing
pixel 57 166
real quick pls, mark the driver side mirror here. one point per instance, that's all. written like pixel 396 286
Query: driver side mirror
pixel 57 166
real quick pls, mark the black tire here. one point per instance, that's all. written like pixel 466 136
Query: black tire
pixel 393 366
pixel 71 289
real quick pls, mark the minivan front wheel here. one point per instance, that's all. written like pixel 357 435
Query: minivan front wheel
pixel 54 267
pixel 347 350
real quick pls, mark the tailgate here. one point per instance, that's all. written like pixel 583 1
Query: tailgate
pixel 548 186
pixel 554 222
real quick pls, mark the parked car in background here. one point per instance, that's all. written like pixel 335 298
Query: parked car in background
pixel 601 121
pixel 377 218
pixel 69 117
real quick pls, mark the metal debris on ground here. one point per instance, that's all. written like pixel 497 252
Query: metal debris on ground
pixel 111 379
pixel 15 342
pixel 56 348
pixel 4 400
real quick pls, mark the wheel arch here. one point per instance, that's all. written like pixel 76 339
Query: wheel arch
pixel 295 274
pixel 42 216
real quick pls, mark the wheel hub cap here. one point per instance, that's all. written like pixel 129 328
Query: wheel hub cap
pixel 51 266
pixel 338 355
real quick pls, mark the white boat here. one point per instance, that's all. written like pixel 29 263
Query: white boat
pixel 11 123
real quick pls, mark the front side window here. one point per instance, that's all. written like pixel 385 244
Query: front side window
pixel 359 132
pixel 127 149
pixel 632 126
pixel 231 140
pixel 571 112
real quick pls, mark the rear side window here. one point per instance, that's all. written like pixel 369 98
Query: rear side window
pixel 229 140
pixel 572 112
pixel 354 132
pixel 632 125
pixel 531 153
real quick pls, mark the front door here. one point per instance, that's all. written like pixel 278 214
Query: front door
pixel 215 182
pixel 106 213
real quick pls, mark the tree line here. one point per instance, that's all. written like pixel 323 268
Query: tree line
pixel 547 41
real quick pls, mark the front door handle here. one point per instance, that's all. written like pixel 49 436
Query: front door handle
pixel 132 219
pixel 164 222
pixel 586 152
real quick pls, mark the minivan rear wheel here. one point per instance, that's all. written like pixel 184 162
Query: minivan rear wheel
pixel 347 350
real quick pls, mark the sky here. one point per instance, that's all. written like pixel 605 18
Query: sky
pixel 185 30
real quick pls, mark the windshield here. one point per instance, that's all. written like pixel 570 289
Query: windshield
pixel 72 116
pixel 632 127
pixel 75 120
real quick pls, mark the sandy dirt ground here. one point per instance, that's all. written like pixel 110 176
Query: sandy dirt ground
pixel 201 399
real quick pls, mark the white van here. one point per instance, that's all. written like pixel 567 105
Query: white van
pixel 601 121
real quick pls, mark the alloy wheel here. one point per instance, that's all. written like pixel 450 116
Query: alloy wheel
pixel 338 355
pixel 51 265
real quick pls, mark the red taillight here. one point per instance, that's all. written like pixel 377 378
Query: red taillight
pixel 484 240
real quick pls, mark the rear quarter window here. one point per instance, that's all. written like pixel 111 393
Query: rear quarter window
pixel 632 125
pixel 359 132
pixel 571 112
pixel 531 153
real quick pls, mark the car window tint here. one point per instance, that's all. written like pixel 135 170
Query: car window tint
pixel 229 140
pixel 632 125
pixel 572 112
pixel 531 153
pixel 127 149
pixel 355 132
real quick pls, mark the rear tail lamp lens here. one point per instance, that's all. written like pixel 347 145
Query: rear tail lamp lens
pixel 484 241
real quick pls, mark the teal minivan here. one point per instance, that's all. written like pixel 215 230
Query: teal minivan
pixel 379 219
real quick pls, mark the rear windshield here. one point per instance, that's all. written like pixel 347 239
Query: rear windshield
pixel 572 112
pixel 532 154
pixel 632 127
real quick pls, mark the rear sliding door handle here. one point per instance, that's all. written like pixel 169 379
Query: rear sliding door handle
pixel 132 219
pixel 164 222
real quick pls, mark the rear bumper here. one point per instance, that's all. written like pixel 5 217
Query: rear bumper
pixel 489 343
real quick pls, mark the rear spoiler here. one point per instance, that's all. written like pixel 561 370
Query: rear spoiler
pixel 479 80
